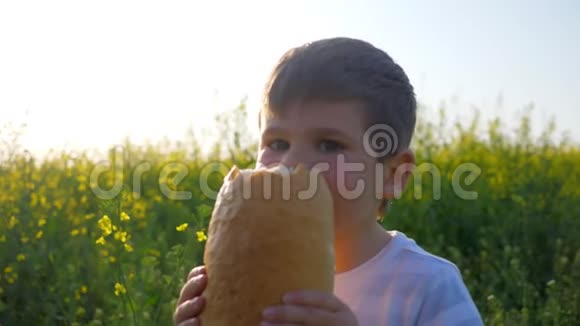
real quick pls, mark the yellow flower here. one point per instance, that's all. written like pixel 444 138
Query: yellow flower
pixel 7 270
pixel 10 280
pixel 139 209
pixel 182 227
pixel 84 289
pixel 13 221
pixel 112 259
pixel 105 225
pixel 20 257
pixel 39 234
pixel 84 230
pixel 100 241
pixel 74 232
pixel 128 247
pixel 119 289
pixel 125 217
pixel 121 236
pixel 41 222
pixel 201 236
pixel 24 239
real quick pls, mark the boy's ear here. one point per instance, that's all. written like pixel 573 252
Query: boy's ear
pixel 397 170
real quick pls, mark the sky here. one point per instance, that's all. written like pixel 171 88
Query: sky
pixel 88 74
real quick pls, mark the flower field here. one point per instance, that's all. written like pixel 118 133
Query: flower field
pixel 70 255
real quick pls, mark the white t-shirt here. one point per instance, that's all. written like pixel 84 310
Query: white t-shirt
pixel 405 285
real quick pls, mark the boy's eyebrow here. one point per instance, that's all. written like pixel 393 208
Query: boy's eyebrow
pixel 274 130
pixel 322 131
pixel 329 132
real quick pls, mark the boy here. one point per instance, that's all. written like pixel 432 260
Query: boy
pixel 326 103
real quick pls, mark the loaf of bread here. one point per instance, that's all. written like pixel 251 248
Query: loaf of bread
pixel 271 231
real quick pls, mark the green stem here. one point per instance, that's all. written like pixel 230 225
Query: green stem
pixel 122 275
pixel 158 304
pixel 58 303
pixel 123 281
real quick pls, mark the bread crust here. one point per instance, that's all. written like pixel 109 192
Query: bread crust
pixel 263 243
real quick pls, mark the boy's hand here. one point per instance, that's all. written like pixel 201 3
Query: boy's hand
pixel 190 303
pixel 309 308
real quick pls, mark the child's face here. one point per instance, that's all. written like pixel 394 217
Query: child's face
pixel 329 135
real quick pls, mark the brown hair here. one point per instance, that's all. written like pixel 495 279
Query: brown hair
pixel 346 69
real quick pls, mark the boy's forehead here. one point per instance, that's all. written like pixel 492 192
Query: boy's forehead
pixel 345 116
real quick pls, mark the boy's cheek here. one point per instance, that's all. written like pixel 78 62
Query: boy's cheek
pixel 347 184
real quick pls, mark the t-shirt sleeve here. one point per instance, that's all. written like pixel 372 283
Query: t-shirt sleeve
pixel 448 302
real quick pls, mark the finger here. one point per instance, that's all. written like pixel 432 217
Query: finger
pixel 322 300
pixel 188 310
pixel 193 288
pixel 190 322
pixel 296 314
pixel 196 271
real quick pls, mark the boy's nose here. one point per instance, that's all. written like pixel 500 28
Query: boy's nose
pixel 293 157
pixel 289 162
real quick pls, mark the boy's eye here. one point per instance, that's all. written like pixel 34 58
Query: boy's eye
pixel 279 145
pixel 330 146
